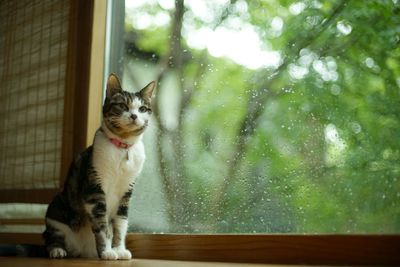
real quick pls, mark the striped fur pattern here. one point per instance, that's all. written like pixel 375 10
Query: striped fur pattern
pixel 89 217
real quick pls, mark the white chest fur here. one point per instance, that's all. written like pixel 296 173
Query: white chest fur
pixel 116 168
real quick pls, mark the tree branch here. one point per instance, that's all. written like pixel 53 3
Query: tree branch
pixel 256 105
pixel 174 176
pixel 172 185
pixel 174 180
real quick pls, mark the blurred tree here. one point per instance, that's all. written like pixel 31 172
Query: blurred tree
pixel 310 144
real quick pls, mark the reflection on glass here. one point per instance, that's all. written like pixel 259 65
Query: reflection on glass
pixel 271 116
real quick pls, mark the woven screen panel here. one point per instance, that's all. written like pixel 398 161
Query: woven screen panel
pixel 33 58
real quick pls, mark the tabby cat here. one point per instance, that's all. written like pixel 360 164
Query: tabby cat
pixel 89 217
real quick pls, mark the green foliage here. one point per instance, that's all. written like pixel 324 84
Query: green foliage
pixel 325 153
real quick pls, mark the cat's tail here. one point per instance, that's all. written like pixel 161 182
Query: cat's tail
pixel 23 250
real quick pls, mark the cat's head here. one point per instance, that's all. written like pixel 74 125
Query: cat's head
pixel 126 114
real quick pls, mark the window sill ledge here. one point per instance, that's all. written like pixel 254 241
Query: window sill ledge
pixel 244 248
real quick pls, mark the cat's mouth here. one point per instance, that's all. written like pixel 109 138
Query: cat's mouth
pixel 136 124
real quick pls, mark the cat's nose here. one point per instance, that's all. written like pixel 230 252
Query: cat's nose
pixel 133 116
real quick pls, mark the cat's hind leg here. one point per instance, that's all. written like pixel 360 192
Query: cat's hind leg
pixel 55 242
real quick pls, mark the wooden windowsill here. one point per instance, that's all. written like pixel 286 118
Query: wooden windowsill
pixel 271 249
pixel 36 262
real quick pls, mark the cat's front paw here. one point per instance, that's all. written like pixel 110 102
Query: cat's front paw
pixel 123 253
pixel 109 255
pixel 57 253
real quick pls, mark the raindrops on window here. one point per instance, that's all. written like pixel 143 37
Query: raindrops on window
pixel 270 116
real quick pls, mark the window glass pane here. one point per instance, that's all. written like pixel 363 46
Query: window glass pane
pixel 271 116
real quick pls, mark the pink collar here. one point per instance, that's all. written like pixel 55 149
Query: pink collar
pixel 119 143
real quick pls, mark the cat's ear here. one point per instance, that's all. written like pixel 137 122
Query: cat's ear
pixel 147 91
pixel 113 85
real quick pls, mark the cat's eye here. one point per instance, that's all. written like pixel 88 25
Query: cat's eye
pixel 124 106
pixel 142 109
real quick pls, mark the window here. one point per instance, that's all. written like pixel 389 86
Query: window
pixel 272 117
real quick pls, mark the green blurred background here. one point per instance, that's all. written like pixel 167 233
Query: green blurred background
pixel 270 116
